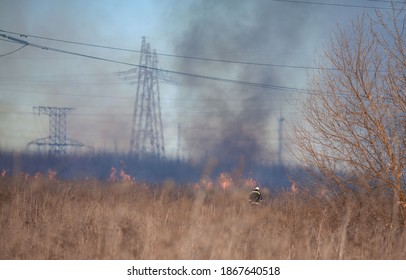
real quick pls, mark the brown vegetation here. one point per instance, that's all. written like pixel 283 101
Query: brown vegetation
pixel 353 128
pixel 51 219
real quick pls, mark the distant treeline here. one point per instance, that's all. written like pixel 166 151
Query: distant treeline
pixel 147 168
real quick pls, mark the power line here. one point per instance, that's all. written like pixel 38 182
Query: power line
pixel 13 51
pixel 205 77
pixel 172 55
pixel 10 91
pixel 62 77
pixel 335 4
pixel 224 112
pixel 388 1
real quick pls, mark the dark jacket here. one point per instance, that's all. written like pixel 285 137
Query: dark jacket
pixel 255 196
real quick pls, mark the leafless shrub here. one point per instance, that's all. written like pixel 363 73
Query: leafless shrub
pixel 354 129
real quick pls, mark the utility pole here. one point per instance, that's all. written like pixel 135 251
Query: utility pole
pixel 280 139
pixel 178 145
pixel 57 140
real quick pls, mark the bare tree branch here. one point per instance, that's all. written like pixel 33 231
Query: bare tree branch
pixel 354 125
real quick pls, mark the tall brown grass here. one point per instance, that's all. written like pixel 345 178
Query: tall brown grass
pixel 50 219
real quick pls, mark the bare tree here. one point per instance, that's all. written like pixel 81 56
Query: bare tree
pixel 353 130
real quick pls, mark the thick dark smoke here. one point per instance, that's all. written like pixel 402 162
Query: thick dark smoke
pixel 220 122
pixel 235 123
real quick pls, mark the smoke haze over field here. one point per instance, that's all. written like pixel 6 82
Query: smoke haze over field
pixel 240 123
pixel 221 120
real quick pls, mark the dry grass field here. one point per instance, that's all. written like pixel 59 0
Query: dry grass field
pixel 54 219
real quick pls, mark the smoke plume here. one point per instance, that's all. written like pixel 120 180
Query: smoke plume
pixel 235 123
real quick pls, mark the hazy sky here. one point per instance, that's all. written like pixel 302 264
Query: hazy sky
pixel 214 116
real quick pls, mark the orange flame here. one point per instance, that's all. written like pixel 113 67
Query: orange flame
pixel 294 188
pixel 37 176
pixel 207 183
pixel 125 177
pixel 112 177
pixel 25 175
pixel 250 183
pixel 225 181
pixel 51 174
pixel 204 183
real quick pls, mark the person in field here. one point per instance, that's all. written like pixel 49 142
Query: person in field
pixel 255 196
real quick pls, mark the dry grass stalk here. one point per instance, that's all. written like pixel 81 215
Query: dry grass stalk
pixel 42 219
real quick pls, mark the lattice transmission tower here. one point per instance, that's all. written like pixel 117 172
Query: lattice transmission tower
pixel 147 129
pixel 57 141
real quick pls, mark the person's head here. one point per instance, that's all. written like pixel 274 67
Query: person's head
pixel 257 188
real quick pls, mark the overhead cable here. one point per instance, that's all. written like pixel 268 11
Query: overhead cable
pixel 2 55
pixel 336 4
pixel 192 75
pixel 173 55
